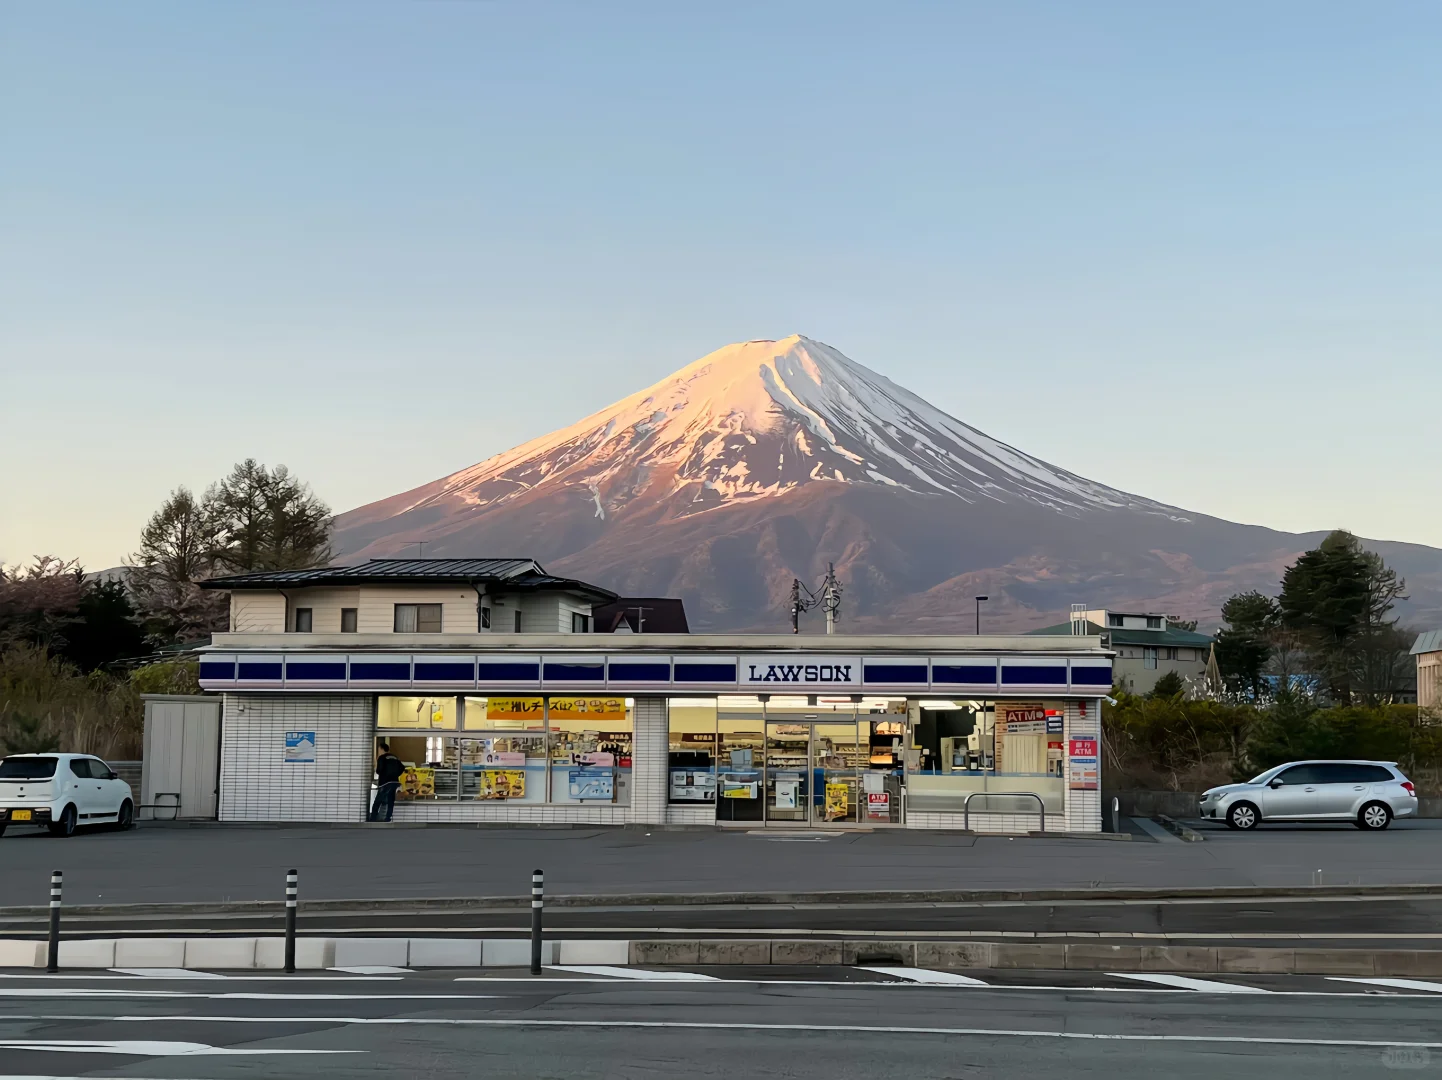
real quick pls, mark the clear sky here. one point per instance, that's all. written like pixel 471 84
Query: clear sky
pixel 1193 251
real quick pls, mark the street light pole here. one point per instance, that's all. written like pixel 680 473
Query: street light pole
pixel 979 599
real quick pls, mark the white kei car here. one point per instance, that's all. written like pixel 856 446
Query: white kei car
pixel 61 792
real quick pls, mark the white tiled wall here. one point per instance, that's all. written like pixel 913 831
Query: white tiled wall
pixel 650 757
pixel 691 814
pixel 257 785
pixel 1083 808
pixel 519 813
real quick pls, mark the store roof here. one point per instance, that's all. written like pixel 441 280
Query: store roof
pixel 1427 641
pixel 523 574
pixel 1119 636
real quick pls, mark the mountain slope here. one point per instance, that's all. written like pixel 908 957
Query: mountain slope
pixel 767 459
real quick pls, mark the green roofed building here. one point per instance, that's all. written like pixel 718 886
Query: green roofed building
pixel 1147 645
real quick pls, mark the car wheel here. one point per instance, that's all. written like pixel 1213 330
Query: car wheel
pixel 1243 816
pixel 1374 816
pixel 126 818
pixel 65 824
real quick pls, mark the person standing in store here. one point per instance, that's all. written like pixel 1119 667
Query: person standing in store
pixel 388 782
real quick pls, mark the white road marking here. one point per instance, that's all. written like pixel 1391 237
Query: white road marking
pixel 700 1025
pixel 147 1048
pixel 189 974
pixel 635 973
pixel 927 976
pixel 1181 982
pixel 372 969
pixel 87 992
pixel 167 973
pixel 1395 984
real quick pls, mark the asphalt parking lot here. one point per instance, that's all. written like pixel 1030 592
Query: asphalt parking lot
pixel 220 863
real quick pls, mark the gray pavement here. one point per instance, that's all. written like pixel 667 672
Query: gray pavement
pixel 224 863
pixel 811 1023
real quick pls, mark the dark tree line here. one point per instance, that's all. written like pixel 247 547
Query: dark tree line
pixel 1330 629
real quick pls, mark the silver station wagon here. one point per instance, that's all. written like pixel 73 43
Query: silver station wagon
pixel 1367 793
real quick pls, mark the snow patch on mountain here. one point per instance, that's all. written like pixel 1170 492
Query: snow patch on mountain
pixel 714 428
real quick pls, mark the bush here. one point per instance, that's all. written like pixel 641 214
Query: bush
pixel 46 703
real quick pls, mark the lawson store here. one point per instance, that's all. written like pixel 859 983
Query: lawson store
pixel 575 726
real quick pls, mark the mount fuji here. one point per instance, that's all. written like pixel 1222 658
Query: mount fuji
pixel 766 460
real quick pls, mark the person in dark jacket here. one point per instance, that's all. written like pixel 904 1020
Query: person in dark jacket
pixel 388 782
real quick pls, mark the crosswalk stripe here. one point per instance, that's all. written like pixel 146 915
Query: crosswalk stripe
pixel 1392 984
pixel 372 969
pixel 1181 982
pixel 635 973
pixel 926 975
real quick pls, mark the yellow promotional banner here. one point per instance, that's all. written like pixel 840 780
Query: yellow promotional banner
pixel 562 708
pixel 418 783
pixel 588 708
pixel 502 784
pixel 837 801
pixel 515 708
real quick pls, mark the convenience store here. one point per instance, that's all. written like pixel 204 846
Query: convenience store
pixel 733 731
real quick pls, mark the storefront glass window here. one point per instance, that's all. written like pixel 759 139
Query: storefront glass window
pixel 692 751
pixel 996 747
pixel 590 749
pixel 424 713
pixel 505 761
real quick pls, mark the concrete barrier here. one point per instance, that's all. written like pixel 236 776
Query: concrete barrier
pixel 311 953
pixel 218 953
pixel 371 952
pixel 445 952
pixel 594 952
pixel 514 952
pixel 150 952
pixel 88 953
pixel 22 954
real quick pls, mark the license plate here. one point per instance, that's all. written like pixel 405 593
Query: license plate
pixel 19 815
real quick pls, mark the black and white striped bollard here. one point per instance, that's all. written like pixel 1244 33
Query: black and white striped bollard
pixel 291 889
pixel 52 964
pixel 538 899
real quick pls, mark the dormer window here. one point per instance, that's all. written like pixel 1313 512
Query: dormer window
pixel 1116 620
pixel 1154 622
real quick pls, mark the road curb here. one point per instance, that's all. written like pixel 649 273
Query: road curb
pixel 755 899
pixel 1176 828
pixel 320 953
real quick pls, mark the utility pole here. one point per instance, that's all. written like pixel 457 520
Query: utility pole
pixel 830 598
pixel 640 617
pixel 804 599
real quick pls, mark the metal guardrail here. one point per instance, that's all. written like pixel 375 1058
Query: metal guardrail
pixel 966 805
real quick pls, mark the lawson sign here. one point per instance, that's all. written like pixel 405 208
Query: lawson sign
pixel 792 670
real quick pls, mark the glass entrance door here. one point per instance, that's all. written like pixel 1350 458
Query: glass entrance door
pixel 788 773
pixel 836 757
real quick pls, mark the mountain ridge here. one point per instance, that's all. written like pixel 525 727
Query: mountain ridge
pixel 765 460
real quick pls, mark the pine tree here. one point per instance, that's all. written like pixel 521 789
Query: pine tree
pixel 1245 644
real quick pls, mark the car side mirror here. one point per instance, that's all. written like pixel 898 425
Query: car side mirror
pixel 1275 784
pixel 112 776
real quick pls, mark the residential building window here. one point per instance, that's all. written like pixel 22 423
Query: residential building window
pixel 1116 620
pixel 518 622
pixel 1154 622
pixel 418 619
pixel 483 622
pixel 347 620
pixel 1149 657
pixel 580 624
pixel 1171 653
pixel 303 620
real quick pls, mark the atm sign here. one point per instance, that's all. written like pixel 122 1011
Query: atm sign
pixel 1082 748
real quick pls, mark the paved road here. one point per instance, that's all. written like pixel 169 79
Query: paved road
pixel 219 863
pixel 815 1023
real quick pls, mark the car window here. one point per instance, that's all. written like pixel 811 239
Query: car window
pixel 1338 773
pixel 98 769
pixel 1298 774
pixel 80 768
pixel 1374 774
pixel 27 768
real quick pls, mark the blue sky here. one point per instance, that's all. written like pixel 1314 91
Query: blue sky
pixel 1190 251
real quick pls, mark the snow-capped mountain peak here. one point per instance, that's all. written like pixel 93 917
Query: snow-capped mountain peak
pixel 761 418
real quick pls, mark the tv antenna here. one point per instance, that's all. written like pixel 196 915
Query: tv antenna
pixel 827 598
